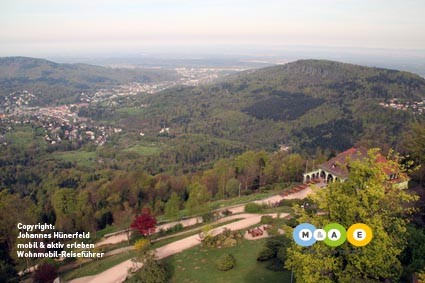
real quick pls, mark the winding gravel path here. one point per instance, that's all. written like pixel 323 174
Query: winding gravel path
pixel 118 273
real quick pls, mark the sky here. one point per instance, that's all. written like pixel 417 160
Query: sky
pixel 76 27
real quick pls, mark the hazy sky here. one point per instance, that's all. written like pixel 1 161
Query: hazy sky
pixel 66 27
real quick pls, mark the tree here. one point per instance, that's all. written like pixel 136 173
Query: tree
pixel 172 206
pixel 292 167
pixel 367 198
pixel 64 202
pixel 413 255
pixel 7 272
pixel 145 223
pixel 13 210
pixel 232 187
pixel 247 169
pixel 414 144
pixel 198 197
pixel 45 273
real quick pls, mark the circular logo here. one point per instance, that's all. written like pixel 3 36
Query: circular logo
pixel 336 235
pixel 304 234
pixel 319 234
pixel 359 234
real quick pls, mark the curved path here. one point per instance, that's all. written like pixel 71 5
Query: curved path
pixel 239 208
pixel 119 272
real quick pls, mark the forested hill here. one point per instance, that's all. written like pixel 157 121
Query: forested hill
pixel 53 81
pixel 308 103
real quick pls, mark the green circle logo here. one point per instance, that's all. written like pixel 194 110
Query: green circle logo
pixel 335 235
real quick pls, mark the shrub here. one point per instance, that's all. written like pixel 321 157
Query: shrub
pixel 291 222
pixel 253 207
pixel 207 217
pixel 277 242
pixel 226 212
pixel 226 262
pixel 275 265
pixel 152 271
pixel 230 242
pixel 134 236
pixel 265 254
pixel 142 245
pixel 281 254
pixel 176 228
pixel 273 231
pixel 266 219
pixel 227 238
pixel 291 202
pixel 267 188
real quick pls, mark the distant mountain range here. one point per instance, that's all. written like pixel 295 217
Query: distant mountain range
pixel 308 103
pixel 53 82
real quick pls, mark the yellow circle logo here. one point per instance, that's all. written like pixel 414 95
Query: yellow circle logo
pixel 359 235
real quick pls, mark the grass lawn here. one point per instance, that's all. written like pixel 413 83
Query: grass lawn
pixel 198 265
pixel 83 158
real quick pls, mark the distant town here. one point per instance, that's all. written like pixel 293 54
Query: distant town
pixel 61 123
pixel 417 107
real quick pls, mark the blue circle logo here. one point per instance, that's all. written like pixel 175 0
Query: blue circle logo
pixel 304 234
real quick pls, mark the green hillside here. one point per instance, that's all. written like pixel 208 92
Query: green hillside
pixel 53 82
pixel 309 103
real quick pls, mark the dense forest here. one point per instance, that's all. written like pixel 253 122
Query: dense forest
pixel 292 104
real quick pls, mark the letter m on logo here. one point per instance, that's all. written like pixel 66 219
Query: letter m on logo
pixel 305 234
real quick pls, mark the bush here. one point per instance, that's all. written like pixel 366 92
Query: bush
pixel 207 217
pixel 291 222
pixel 226 262
pixel 275 265
pixel 134 236
pixel 176 228
pixel 142 245
pixel 265 254
pixel 229 242
pixel 281 254
pixel 253 207
pixel 152 271
pixel 266 219
pixel 267 188
pixel 291 202
pixel 227 238
pixel 277 242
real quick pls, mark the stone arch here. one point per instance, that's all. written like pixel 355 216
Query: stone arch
pixel 322 174
pixel 307 178
pixel 329 178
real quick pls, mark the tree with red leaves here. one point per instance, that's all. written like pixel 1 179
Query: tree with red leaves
pixel 144 223
pixel 45 273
